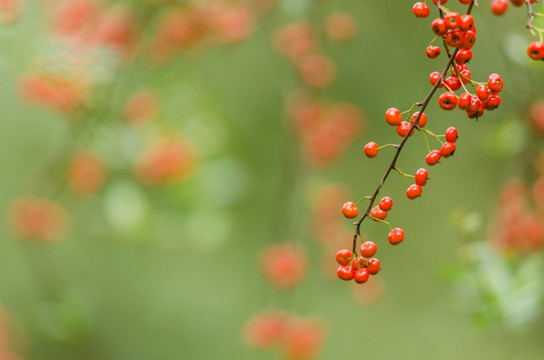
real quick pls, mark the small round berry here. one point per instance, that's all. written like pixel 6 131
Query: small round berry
pixel 361 275
pixel 422 175
pixel 447 100
pixel 377 213
pixel 396 236
pixel 434 77
pixel 420 10
pixel 442 2
pixel 452 20
pixel 403 128
pixel 481 92
pixel 414 191
pixel 343 256
pixel 422 119
pixel 451 134
pixel 350 210
pixel 345 272
pixel 536 50
pixel 368 249
pixel 453 83
pixel 439 26
pixel 447 149
pixel 463 56
pixel 493 102
pixel 432 52
pixel 465 2
pixel 386 203
pixel 494 82
pixel 498 7
pixel 373 266
pixel 433 157
pixel 358 263
pixel 474 105
pixel 464 100
pixel 454 38
pixel 469 39
pixel 393 116
pixel 466 23
pixel 371 149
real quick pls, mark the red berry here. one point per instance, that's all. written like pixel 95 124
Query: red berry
pixel 442 2
pixel 414 191
pixel 481 92
pixel 465 2
pixel 345 272
pixel 368 249
pixel 463 56
pixel 494 82
pixel 464 100
pixel 493 102
pixel 454 38
pixel 343 257
pixel 422 120
pixel 371 149
pixel 358 263
pixel 421 177
pixel 453 83
pixel 469 39
pixel 373 266
pixel 435 77
pixel 377 213
pixel 536 50
pixel 432 52
pixel 403 128
pixel 498 7
pixel 447 149
pixel 466 23
pixel 420 10
pixel 451 135
pixel 473 105
pixel 350 210
pixel 447 100
pixel 439 26
pixel 361 275
pixel 452 20
pixel 433 157
pixel 396 236
pixel 393 116
pixel 386 203
pixel 465 76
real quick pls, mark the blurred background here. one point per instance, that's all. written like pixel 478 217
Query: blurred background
pixel 173 174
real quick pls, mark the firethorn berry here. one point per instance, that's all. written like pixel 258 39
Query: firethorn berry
pixel 452 20
pixel 493 102
pixel 371 149
pixel 451 135
pixel 463 56
pixel 361 275
pixel 536 50
pixel 469 39
pixel 442 2
pixel 414 191
pixel 481 92
pixel 453 83
pixel 422 120
pixel 465 2
pixel 386 203
pixel 464 100
pixel 345 272
pixel 377 213
pixel 433 157
pixel 368 249
pixel 350 210
pixel 358 263
pixel 393 116
pixel 454 38
pixel 343 256
pixel 403 128
pixel 466 75
pixel 420 10
pixel 494 82
pixel 396 236
pixel 466 23
pixel 373 266
pixel 447 100
pixel 421 177
pixel 432 51
pixel 498 7
pixel 435 77
pixel 439 26
pixel 473 105
pixel 447 149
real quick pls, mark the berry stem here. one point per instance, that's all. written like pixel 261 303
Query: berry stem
pixel 403 175
pixel 426 142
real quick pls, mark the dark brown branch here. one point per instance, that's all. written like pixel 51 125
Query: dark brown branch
pixel 530 14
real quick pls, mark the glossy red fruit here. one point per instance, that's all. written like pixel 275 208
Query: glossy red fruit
pixel 434 77
pixel 420 10
pixel 442 2
pixel 464 100
pixel 432 52
pixel 345 272
pixel 498 7
pixel 422 175
pixel 466 75
pixel 422 120
pixel 463 56
pixel 536 50
pixel 386 203
pixel 377 213
pixel 371 149
pixel 451 135
pixel 466 23
pixel 343 257
pixel 433 157
pixel 453 83
pixel 439 26
pixel 481 92
pixel 403 128
pixel 465 2
pixel 358 263
pixel 361 275
pixel 393 116
pixel 452 20
pixel 414 191
pixel 350 210
pixel 447 149
pixel 447 100
pixel 494 82
pixel 368 249
pixel 373 266
pixel 396 236
pixel 474 105
pixel 454 38
pixel 493 102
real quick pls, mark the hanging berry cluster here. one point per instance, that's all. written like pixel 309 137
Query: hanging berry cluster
pixel 458 34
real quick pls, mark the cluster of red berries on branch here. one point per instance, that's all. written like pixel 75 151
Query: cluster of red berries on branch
pixel 458 34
